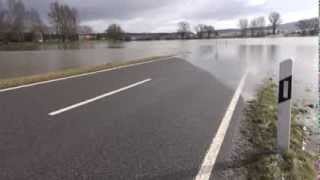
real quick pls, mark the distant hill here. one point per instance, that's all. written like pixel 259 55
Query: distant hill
pixel 289 27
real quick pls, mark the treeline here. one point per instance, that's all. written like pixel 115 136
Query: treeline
pixel 65 21
pixel 19 24
pixel 202 31
pixel 308 26
pixel 258 26
pixel 16 20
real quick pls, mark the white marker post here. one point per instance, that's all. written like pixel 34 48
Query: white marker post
pixel 284 107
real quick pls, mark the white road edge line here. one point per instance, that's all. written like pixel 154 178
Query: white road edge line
pixel 97 98
pixel 84 74
pixel 213 151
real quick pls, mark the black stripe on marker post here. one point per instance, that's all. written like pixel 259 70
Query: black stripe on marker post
pixel 281 97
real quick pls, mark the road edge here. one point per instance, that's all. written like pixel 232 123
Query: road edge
pixel 209 161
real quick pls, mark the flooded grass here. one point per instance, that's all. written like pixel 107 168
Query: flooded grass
pixel 13 82
pixel 260 132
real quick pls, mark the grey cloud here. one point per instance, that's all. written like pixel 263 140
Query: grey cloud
pixel 227 10
pixel 105 9
pixel 121 9
pixel 1 5
pixel 151 15
pixel 129 9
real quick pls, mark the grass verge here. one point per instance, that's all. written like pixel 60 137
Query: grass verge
pixel 13 82
pixel 260 132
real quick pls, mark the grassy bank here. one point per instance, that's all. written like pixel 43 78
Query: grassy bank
pixel 13 82
pixel 260 132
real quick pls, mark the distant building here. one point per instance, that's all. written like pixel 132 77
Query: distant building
pixel 90 36
pixel 156 36
pixel 228 33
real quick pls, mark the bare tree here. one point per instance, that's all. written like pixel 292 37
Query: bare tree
pixel 183 29
pixel 34 17
pixel 56 17
pixel 34 21
pixel 73 20
pixel 275 20
pixel 200 30
pixel 257 26
pixel 115 32
pixel 261 23
pixel 314 26
pixel 2 17
pixel 2 21
pixel 1 6
pixel 16 15
pixel 210 30
pixel 253 27
pixel 10 11
pixel 308 26
pixel 303 26
pixel 16 20
pixel 243 24
pixel 35 25
pixel 204 31
pixel 64 19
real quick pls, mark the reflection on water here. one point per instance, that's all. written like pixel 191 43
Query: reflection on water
pixel 229 59
pixel 116 44
pixel 226 59
pixel 56 57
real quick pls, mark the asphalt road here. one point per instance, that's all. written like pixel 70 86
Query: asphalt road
pixel 160 129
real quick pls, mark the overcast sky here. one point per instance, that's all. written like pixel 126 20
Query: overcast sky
pixel 163 15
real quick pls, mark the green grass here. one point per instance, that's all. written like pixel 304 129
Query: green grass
pixel 13 82
pixel 261 121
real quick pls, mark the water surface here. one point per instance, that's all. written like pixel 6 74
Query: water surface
pixel 226 59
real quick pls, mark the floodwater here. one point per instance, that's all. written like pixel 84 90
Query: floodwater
pixel 226 59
